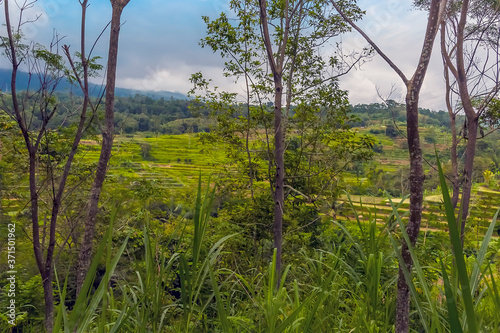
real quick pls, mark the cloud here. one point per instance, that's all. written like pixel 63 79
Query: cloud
pixel 174 78
pixel 159 44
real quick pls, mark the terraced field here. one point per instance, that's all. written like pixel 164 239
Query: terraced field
pixel 485 203
pixel 176 161
pixel 170 160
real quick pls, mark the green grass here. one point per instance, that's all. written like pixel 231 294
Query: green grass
pixel 176 161
pixel 433 214
pixel 172 160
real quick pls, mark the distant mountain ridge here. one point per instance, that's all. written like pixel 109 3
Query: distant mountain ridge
pixel 23 79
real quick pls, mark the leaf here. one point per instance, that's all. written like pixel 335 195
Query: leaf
pixel 458 253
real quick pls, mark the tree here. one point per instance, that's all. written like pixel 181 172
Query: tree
pixel 49 69
pixel 470 51
pixel 107 143
pixel 277 67
pixel 413 86
pixel 278 48
pixel 32 111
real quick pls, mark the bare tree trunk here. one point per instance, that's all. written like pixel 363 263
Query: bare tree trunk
pixel 416 198
pixel 455 179
pixel 247 134
pixel 416 169
pixel 460 73
pixel 469 79
pixel 279 149
pixel 48 296
pixel 33 187
pixel 107 144
pixel 472 118
pixel 470 152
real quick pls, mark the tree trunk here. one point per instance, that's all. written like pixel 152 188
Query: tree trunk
pixel 45 270
pixel 413 87
pixel 455 179
pixel 48 295
pixel 470 113
pixel 107 144
pixel 416 198
pixel 416 170
pixel 470 152
pixel 33 187
pixel 276 66
pixel 279 148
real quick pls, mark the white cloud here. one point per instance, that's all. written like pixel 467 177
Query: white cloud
pixel 159 44
pixel 174 78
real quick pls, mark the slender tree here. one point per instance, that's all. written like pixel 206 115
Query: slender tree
pixel 276 66
pixel 413 86
pixel 278 48
pixel 107 143
pixel 471 54
pixel 48 66
pixel 290 57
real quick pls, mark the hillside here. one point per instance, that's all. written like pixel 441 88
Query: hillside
pixel 23 80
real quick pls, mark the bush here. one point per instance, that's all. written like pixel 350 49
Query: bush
pixel 430 139
pixel 377 131
pixel 146 151
pixel 391 131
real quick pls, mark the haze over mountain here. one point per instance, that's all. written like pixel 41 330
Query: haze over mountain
pixel 23 80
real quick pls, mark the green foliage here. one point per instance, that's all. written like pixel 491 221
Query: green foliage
pixel 315 112
pixel 464 292
pixel 221 276
pixel 29 313
pixel 146 150
pixel 54 61
pixel 144 114
pixel 86 305
pixel 200 277
pixel 491 116
pixel 391 131
pixel 374 272
pixel 459 259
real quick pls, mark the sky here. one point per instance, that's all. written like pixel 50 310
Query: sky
pixel 159 44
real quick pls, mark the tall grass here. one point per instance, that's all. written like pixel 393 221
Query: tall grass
pixel 146 305
pixel 351 288
pixel 85 310
pixel 373 274
pixel 464 287
pixel 469 284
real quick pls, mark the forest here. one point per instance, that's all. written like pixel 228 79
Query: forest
pixel 285 207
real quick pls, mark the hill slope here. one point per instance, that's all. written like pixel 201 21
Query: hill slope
pixel 23 80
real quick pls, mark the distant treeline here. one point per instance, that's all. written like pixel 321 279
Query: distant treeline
pixel 145 114
pixel 377 113
pixel 173 116
pixel 141 113
pixel 138 113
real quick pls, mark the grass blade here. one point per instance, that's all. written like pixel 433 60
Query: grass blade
pixel 451 303
pixel 226 326
pixel 458 253
pixel 482 254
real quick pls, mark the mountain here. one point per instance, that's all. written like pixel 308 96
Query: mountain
pixel 23 79
pixel 124 92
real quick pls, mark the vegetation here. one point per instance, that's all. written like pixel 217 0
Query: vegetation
pixel 288 211
pixel 323 256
